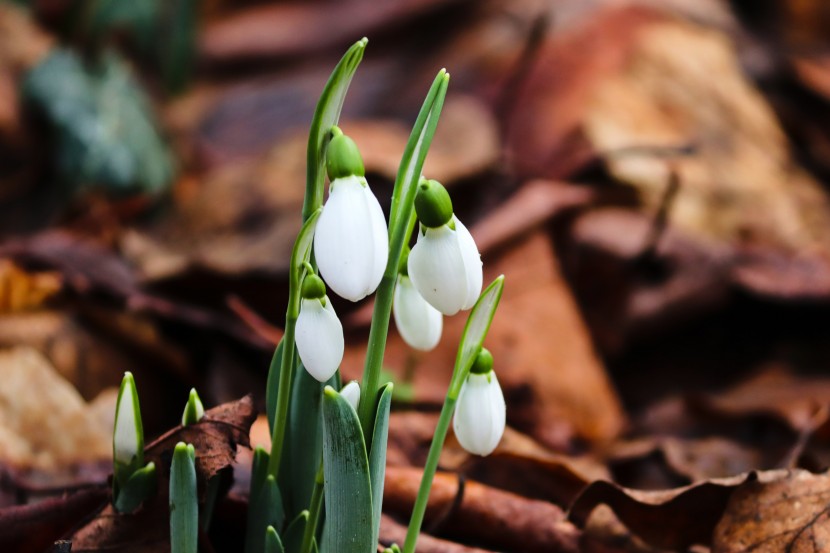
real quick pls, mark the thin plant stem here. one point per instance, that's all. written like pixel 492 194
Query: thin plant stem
pixel 313 511
pixel 420 507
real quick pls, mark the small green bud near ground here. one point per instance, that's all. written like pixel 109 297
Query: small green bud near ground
pixel 432 204
pixel 127 436
pixel 313 287
pixel 194 410
pixel 343 159
pixel 184 502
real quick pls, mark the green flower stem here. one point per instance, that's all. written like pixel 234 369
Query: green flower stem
pixel 313 511
pixel 403 197
pixel 420 507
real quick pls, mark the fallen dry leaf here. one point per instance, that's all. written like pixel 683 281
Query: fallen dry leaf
pixel 776 511
pixel 393 532
pixel 44 422
pixel 21 290
pixel 669 519
pixel 482 514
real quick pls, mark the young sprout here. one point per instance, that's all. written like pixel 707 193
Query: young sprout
pixel 319 334
pixel 444 265
pixel 184 505
pixel 132 482
pixel 350 242
pixel 419 324
pixel 272 541
pixel 480 414
pixel 351 392
pixel 194 410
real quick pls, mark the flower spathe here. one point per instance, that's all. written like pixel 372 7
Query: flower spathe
pixel 128 434
pixel 319 338
pixel 351 245
pixel 480 414
pixel 445 267
pixel 419 324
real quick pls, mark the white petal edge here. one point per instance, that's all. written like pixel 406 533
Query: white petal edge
pixel 471 258
pixel 436 269
pixel 350 240
pixel 351 392
pixel 480 414
pixel 319 339
pixel 419 324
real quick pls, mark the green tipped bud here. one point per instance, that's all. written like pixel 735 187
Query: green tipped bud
pixel 483 363
pixel 128 434
pixel 313 287
pixel 194 410
pixel 342 157
pixel 432 204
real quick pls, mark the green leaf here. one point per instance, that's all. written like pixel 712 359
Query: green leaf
pixel 301 252
pixel 326 115
pixel 184 503
pixel 478 324
pixel 105 134
pixel 377 457
pixel 304 439
pixel 264 503
pixel 138 489
pixel 272 385
pixel 293 536
pixel 193 410
pixel 272 541
pixel 348 491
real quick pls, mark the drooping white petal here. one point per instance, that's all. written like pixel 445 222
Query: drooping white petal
pixel 480 414
pixel 436 269
pixel 419 323
pixel 351 245
pixel 319 338
pixel 351 392
pixel 472 263
pixel 126 436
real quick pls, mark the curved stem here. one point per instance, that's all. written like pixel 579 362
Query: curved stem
pixel 313 511
pixel 420 507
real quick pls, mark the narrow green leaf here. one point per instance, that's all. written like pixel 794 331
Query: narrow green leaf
pixel 272 385
pixel 301 252
pixel 184 505
pixel 304 439
pixel 377 457
pixel 348 491
pixel 478 324
pixel 272 541
pixel 267 511
pixel 138 489
pixel 292 538
pixel 326 115
pixel 193 410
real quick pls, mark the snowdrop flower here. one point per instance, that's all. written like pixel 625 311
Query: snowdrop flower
pixel 128 434
pixel 351 244
pixel 419 324
pixel 351 392
pixel 480 414
pixel 319 334
pixel 444 265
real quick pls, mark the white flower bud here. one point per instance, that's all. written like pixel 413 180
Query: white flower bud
pixel 319 338
pixel 351 392
pixel 128 434
pixel 445 267
pixel 351 245
pixel 480 414
pixel 419 323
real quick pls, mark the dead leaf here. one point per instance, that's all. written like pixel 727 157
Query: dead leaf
pixel 33 528
pixel 393 532
pixel 776 511
pixel 44 422
pixel 21 290
pixel 487 515
pixel 670 519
